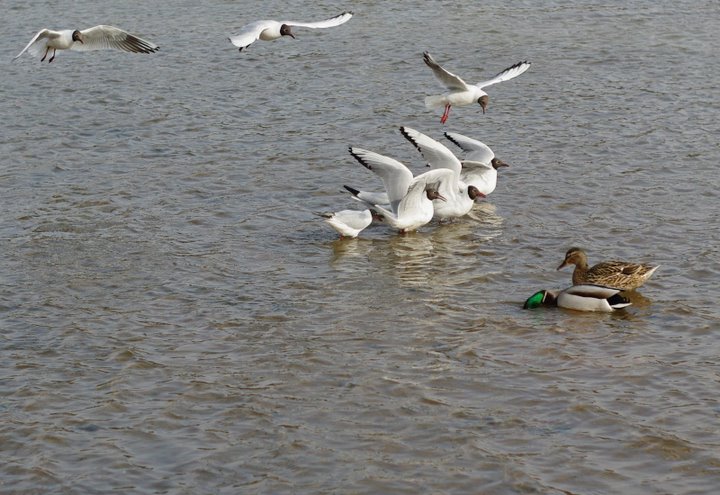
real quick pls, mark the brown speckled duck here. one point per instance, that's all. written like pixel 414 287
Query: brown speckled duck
pixel 618 274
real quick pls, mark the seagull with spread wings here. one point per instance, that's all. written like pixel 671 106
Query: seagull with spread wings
pixel 462 94
pixel 94 38
pixel 269 30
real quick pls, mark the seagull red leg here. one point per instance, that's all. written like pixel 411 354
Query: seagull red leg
pixel 46 52
pixel 53 57
pixel 445 114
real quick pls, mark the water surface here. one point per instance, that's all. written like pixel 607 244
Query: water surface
pixel 175 318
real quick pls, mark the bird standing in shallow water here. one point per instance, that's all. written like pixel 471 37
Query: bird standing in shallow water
pixel 348 223
pixel 618 274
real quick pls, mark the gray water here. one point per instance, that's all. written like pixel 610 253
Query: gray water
pixel 175 319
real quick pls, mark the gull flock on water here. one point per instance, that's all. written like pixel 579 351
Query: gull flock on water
pixel 448 190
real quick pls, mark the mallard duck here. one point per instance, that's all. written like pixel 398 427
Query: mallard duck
pixel 584 297
pixel 618 274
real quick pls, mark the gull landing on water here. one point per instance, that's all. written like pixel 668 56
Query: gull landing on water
pixel 459 196
pixel 94 38
pixel 410 198
pixel 462 94
pixel 271 30
pixel 480 165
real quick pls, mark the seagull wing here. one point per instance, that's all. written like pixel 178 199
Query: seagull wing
pixel 450 80
pixel 395 176
pixel 436 154
pixel 509 73
pixel 112 38
pixel 332 22
pixel 476 150
pixel 250 33
pixel 368 197
pixel 39 41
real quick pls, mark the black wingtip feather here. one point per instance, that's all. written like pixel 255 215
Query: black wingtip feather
pixel 449 137
pixel 407 136
pixel 352 190
pixel 359 158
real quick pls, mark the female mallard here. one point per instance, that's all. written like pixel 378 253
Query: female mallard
pixel 584 297
pixel 619 274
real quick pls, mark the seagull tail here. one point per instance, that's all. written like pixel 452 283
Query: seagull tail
pixel 436 101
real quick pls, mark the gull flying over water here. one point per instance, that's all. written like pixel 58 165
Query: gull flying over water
pixel 462 94
pixel 271 30
pixel 94 38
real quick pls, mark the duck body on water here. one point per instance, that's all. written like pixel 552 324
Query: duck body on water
pixel 621 275
pixel 584 297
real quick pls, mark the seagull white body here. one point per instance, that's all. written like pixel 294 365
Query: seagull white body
pixel 410 206
pixel 459 196
pixel 269 30
pixel 586 297
pixel 462 94
pixel 480 165
pixel 348 223
pixel 94 38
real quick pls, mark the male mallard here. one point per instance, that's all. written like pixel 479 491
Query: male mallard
pixel 619 274
pixel 584 297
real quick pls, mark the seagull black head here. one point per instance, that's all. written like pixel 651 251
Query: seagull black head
pixel 433 194
pixel 497 163
pixel 285 31
pixel 483 101
pixel 474 193
pixel 77 36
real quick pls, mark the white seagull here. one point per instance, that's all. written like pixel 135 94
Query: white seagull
pixel 271 30
pixel 480 165
pixel 94 38
pixel 348 223
pixel 410 198
pixel 460 197
pixel 462 94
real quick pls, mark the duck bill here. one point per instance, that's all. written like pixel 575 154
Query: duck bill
pixel 563 265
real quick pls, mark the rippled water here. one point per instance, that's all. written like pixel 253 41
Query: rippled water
pixel 175 319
